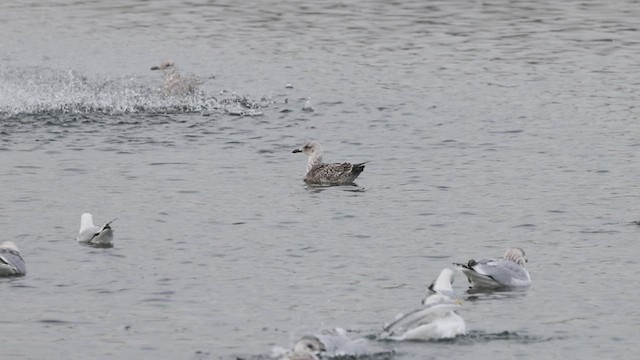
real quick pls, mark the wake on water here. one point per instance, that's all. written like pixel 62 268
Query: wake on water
pixel 42 91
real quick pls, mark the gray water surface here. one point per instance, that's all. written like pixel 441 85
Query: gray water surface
pixel 486 125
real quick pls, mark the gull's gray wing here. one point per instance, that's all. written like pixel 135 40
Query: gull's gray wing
pixel 495 273
pixel 13 262
pixel 505 272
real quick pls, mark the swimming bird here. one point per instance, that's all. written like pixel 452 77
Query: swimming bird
pixel 11 262
pixel 174 82
pixel 496 273
pixel 94 235
pixel 436 320
pixel 319 173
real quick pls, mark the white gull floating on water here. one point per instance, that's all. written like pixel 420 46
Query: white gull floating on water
pixel 496 273
pixel 319 173
pixel 94 235
pixel 11 263
pixel 436 320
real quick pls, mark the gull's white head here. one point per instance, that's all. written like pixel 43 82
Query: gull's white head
pixel 9 245
pixel 310 148
pixel 516 255
pixel 313 150
pixel 309 344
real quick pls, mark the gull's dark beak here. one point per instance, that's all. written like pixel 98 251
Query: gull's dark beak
pixel 155 68
pixel 296 151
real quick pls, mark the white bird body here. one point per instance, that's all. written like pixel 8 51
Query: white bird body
pixel 11 262
pixel 94 235
pixel 436 320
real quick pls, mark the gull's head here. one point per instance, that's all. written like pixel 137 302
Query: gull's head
pixel 437 299
pixel 516 255
pixel 9 245
pixel 310 148
pixel 165 65
pixel 309 344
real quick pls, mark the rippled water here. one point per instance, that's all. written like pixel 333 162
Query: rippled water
pixel 486 124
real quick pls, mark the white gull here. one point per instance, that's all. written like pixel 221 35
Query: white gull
pixel 496 273
pixel 319 173
pixel 94 235
pixel 11 262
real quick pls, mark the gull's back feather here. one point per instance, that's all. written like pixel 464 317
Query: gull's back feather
pixel 11 262
pixel 334 174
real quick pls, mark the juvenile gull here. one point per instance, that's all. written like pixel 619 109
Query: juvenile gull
pixel 94 235
pixel 11 263
pixel 496 273
pixel 436 320
pixel 174 83
pixel 319 173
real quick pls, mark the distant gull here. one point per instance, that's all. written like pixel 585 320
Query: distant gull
pixel 435 320
pixel 94 235
pixel 11 263
pixel 496 273
pixel 174 83
pixel 319 173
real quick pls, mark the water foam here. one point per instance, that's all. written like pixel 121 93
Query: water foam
pixel 41 91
